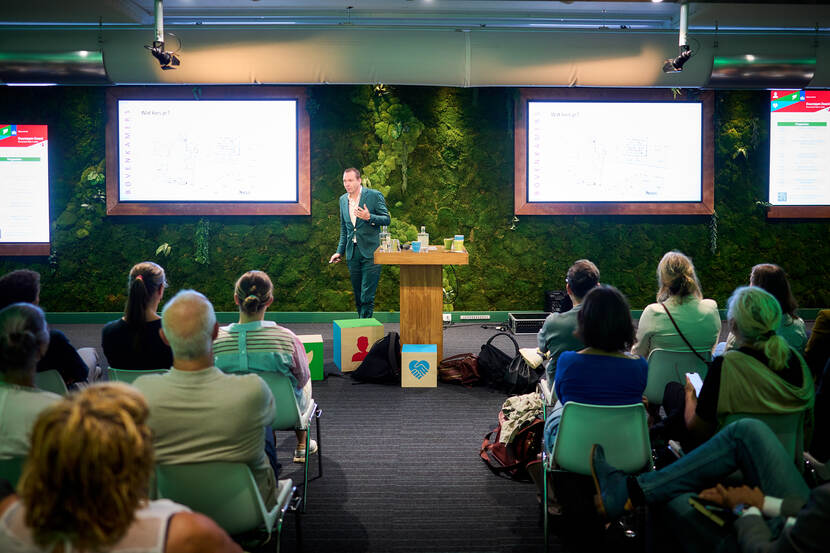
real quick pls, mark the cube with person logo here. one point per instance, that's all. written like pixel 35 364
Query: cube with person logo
pixel 419 366
pixel 352 340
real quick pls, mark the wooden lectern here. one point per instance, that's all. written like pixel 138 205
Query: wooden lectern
pixel 422 296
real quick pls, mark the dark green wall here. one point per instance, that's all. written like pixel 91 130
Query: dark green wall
pixel 457 149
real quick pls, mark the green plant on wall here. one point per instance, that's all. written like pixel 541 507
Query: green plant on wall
pixel 398 130
pixel 85 209
pixel 202 247
pixel 460 175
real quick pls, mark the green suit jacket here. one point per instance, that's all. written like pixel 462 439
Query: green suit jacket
pixel 367 232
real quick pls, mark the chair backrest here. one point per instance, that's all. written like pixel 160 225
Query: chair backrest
pixel 788 427
pixel 288 414
pixel 11 469
pixel 666 366
pixel 622 430
pixel 128 376
pixel 51 381
pixel 226 492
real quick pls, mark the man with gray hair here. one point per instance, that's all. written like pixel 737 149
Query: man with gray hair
pixel 197 412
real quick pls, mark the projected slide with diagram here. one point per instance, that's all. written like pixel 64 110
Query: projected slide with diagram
pixel 24 174
pixel 614 151
pixel 207 151
pixel 799 153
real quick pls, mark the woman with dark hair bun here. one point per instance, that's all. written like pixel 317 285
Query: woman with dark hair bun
pixel 23 341
pixel 254 344
pixel 603 373
pixel 133 342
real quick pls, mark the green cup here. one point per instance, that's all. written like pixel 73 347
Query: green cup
pixel 448 244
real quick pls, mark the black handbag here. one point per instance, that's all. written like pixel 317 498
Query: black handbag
pixel 520 377
pixel 493 362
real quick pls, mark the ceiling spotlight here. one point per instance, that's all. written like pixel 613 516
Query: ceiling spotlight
pixel 675 65
pixel 167 60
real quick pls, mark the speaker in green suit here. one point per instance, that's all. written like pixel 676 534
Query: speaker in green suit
pixel 362 212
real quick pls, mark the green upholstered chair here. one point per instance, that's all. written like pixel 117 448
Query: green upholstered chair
pixel 227 493
pixel 11 469
pixel 622 430
pixel 128 376
pixel 666 366
pixel 51 381
pixel 289 417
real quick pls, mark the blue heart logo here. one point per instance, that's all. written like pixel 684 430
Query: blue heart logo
pixel 419 368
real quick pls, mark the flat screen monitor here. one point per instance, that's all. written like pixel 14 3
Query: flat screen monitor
pixel 229 152
pixel 24 174
pixel 799 154
pixel 623 152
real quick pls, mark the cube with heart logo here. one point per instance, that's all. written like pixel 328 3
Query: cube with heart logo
pixel 419 366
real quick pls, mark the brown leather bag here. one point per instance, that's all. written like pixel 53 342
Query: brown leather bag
pixel 459 369
pixel 511 459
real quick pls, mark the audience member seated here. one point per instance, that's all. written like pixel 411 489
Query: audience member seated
pixel 254 344
pixel 84 485
pixel 603 373
pixel 23 286
pixel 133 342
pixel 775 490
pixel 680 295
pixel 23 340
pixel 773 279
pixel 557 334
pixel 820 444
pixel 763 374
pixel 817 350
pixel 197 412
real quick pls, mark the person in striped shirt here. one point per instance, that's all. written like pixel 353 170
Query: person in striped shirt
pixel 254 344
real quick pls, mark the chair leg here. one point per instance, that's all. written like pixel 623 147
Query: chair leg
pixel 305 465
pixel 545 501
pixel 319 447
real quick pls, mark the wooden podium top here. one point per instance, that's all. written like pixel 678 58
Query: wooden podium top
pixel 438 256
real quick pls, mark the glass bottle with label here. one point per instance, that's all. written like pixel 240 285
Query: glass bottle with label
pixel 423 238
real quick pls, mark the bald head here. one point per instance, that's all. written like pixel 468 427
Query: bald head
pixel 189 325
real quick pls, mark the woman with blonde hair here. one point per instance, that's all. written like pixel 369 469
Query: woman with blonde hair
pixel 680 312
pixel 133 342
pixel 84 485
pixel 254 344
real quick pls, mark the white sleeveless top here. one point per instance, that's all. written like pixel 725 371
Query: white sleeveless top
pixel 147 534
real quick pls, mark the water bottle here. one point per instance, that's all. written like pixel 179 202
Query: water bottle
pixel 385 239
pixel 423 238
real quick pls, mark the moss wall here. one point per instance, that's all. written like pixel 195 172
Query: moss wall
pixel 444 159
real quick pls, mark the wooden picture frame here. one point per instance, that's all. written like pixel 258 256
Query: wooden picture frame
pixel 523 207
pixel 301 207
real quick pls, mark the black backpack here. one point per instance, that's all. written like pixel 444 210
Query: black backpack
pixel 382 365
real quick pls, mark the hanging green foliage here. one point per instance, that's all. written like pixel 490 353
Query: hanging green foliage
pixel 202 237
pixel 398 130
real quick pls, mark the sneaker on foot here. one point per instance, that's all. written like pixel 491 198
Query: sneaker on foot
pixel 299 454
pixel 610 484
